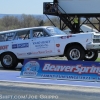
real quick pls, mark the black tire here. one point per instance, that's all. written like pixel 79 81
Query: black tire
pixel 21 61
pixel 91 56
pixel 12 62
pixel 80 51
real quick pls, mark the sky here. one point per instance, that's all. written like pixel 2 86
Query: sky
pixel 22 6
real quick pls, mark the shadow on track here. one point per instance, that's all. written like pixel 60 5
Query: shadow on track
pixel 18 68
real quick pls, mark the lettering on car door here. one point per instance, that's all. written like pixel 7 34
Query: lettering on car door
pixel 42 44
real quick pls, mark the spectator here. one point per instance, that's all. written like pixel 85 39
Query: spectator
pixel 47 7
pixel 56 7
pixel 52 8
pixel 76 24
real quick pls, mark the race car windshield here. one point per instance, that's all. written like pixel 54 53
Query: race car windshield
pixel 55 31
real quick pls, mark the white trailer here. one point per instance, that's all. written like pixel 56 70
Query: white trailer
pixel 80 6
pixel 66 10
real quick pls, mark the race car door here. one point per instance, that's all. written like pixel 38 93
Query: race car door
pixel 21 44
pixel 42 44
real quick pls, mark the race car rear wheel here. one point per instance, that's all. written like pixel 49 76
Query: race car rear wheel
pixel 75 52
pixel 9 60
pixel 91 56
pixel 21 61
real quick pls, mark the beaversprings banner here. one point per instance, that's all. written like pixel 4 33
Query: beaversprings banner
pixel 57 69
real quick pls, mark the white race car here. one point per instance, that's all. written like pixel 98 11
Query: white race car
pixel 37 42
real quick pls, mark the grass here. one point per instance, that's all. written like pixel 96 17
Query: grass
pixel 98 59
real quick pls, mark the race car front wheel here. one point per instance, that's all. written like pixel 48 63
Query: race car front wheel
pixel 9 60
pixel 75 52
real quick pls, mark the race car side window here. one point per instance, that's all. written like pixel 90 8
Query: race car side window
pixel 8 36
pixel 24 34
pixel 39 33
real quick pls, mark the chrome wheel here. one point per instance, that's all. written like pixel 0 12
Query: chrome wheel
pixel 74 54
pixel 7 60
pixel 89 55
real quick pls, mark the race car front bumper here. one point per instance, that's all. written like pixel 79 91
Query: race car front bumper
pixel 93 46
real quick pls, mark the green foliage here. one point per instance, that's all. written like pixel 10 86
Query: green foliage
pixel 98 59
pixel 12 22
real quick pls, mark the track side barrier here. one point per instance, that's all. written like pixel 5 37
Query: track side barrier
pixel 60 69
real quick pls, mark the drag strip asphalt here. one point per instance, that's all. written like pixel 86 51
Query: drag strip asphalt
pixel 24 91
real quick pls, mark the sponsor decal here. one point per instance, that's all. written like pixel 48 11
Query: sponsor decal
pixel 39 52
pixel 31 68
pixel 21 54
pixel 5 47
pixel 76 69
pixel 14 46
pixel 87 40
pixel 70 36
pixel 57 45
pixel 66 76
pixel 21 45
pixel 58 50
pixel 63 37
pixel 42 52
pixel 41 44
pixel 29 53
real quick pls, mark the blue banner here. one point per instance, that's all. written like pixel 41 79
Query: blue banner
pixel 64 70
